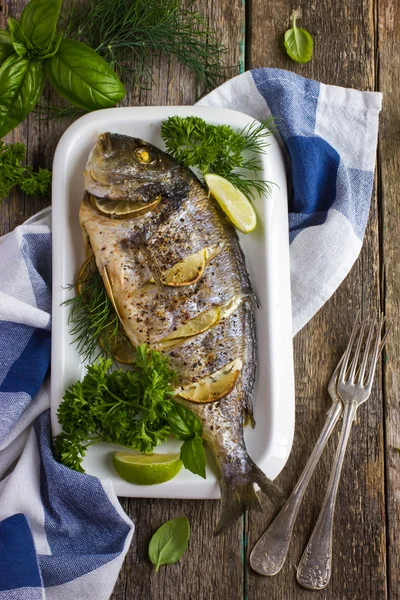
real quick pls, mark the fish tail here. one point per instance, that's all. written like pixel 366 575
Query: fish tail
pixel 240 495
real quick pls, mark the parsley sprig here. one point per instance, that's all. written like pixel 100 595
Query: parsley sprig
pixel 220 149
pixel 132 408
pixel 12 173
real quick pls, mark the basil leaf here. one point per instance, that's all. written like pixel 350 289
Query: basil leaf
pixel 169 542
pixel 193 456
pixel 39 21
pixel 6 47
pixel 183 422
pixel 81 76
pixel 298 43
pixel 20 42
pixel 21 84
pixel 52 49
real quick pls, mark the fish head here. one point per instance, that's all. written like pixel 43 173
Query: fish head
pixel 124 167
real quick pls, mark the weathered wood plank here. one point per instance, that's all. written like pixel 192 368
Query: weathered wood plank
pixel 344 38
pixel 389 167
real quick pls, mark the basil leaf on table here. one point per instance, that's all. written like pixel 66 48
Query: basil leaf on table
pixel 20 42
pixel 21 84
pixel 52 49
pixel 298 43
pixel 183 422
pixel 193 456
pixel 169 542
pixel 81 76
pixel 39 21
pixel 6 47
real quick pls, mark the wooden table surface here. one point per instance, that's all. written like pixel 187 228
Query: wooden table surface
pixel 357 44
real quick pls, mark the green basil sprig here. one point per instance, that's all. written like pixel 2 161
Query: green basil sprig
pixel 32 49
pixel 298 42
pixel 186 426
pixel 169 542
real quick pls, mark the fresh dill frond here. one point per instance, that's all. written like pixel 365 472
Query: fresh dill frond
pixel 220 149
pixel 127 33
pixel 93 318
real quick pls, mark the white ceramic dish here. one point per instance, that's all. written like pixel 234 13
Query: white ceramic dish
pixel 267 255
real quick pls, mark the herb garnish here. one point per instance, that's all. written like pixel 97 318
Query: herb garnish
pixel 298 42
pixel 169 542
pixel 123 30
pixel 31 51
pixel 12 173
pixel 132 408
pixel 220 149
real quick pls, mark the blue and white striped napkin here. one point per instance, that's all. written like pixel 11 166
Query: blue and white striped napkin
pixel 64 535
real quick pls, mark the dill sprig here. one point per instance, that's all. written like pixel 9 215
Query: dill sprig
pixel 220 149
pixel 93 318
pixel 123 31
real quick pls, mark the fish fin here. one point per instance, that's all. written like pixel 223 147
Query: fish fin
pixel 237 498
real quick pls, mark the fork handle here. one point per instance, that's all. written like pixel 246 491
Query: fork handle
pixel 314 570
pixel 269 554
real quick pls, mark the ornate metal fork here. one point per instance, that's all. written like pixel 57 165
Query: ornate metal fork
pixel 354 387
pixel 269 554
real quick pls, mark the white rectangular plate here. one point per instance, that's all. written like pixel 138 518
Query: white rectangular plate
pixel 267 255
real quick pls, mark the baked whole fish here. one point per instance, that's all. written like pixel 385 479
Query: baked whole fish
pixel 175 272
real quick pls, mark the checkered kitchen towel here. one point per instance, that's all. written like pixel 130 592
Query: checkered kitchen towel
pixel 63 535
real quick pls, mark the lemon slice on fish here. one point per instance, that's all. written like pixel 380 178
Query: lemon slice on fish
pixel 233 202
pixel 189 270
pixel 86 272
pixel 122 209
pixel 146 469
pixel 193 327
pixel 186 272
pixel 213 387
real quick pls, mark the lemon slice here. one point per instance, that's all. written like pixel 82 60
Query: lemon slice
pixel 233 202
pixel 215 386
pixel 86 272
pixel 122 209
pixel 146 469
pixel 119 345
pixel 193 327
pixel 189 270
pixel 186 272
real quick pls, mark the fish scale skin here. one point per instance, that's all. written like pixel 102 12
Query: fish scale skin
pixel 132 251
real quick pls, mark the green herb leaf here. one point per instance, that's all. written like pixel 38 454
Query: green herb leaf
pixel 183 422
pixel 39 21
pixel 36 183
pixel 20 42
pixel 6 47
pixel 81 76
pixel 193 456
pixel 298 43
pixel 21 84
pixel 220 149
pixel 169 542
pixel 52 49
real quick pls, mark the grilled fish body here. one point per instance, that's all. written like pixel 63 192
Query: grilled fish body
pixel 132 255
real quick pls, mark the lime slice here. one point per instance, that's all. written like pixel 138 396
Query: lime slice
pixel 213 387
pixel 122 209
pixel 233 202
pixel 146 469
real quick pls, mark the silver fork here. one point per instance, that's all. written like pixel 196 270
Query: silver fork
pixel 269 553
pixel 354 387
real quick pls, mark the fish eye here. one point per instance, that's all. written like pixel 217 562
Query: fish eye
pixel 145 156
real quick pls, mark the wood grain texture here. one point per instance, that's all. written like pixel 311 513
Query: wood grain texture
pixel 345 36
pixel 356 45
pixel 389 171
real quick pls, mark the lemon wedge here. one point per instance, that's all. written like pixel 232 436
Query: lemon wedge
pixel 193 327
pixel 213 387
pixel 146 469
pixel 122 209
pixel 233 202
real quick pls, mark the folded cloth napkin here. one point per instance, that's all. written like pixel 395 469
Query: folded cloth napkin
pixel 63 535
